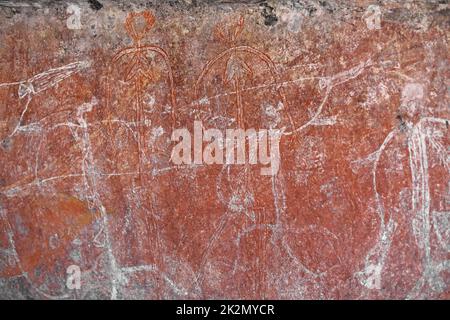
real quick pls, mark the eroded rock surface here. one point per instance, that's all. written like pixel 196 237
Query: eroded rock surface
pixel 91 91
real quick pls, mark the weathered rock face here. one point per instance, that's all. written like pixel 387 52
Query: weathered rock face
pixel 91 92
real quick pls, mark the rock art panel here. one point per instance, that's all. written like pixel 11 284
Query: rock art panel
pixel 336 113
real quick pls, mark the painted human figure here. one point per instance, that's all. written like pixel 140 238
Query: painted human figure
pixel 38 224
pixel 421 145
pixel 141 77
pixel 230 85
pixel 138 116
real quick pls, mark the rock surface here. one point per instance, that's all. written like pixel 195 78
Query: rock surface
pixel 91 91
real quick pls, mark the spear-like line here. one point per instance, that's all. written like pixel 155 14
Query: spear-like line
pixel 140 131
pixel 239 112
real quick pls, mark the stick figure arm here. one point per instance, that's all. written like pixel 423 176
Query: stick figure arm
pixel 124 52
